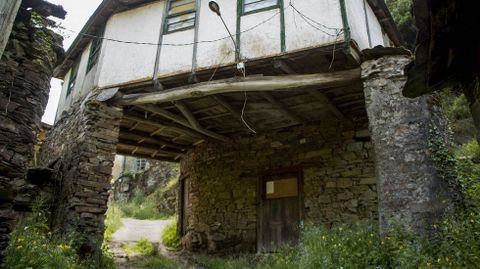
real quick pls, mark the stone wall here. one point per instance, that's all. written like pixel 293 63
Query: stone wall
pixel 156 174
pixel 25 72
pixel 81 147
pixel 410 190
pixel 338 175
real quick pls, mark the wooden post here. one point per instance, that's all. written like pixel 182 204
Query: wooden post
pixel 8 12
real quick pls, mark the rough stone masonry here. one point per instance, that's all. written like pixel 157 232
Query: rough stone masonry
pixel 410 192
pixel 25 72
pixel 82 144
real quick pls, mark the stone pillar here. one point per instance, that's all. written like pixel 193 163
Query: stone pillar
pixel 25 72
pixel 409 190
pixel 82 147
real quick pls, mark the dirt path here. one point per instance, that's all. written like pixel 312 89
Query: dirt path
pixel 132 231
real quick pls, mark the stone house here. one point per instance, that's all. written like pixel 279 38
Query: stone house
pixel 280 113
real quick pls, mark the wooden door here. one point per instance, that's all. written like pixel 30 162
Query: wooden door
pixel 279 213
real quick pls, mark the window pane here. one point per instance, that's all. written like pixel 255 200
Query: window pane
pixel 182 8
pixel 181 25
pixel 281 188
pixel 181 15
pixel 181 3
pixel 251 5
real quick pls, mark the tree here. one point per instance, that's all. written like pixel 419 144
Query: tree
pixel 401 11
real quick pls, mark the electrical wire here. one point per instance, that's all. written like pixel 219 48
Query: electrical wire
pixel 178 44
pixel 307 19
pixel 244 72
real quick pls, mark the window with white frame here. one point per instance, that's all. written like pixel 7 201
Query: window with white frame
pixel 181 15
pixel 140 164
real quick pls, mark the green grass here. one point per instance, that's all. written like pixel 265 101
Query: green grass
pixel 170 238
pixel 158 262
pixel 143 207
pixel 113 221
pixel 142 247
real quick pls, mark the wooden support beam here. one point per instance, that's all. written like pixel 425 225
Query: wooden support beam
pixel 280 64
pixel 187 114
pixel 145 156
pixel 205 109
pixel 137 135
pixel 177 129
pixel 231 110
pixel 287 111
pixel 241 84
pixel 146 147
pixel 8 12
pixel 215 116
pixel 182 121
pixel 326 101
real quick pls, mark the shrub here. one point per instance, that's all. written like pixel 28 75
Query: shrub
pixel 143 207
pixel 33 245
pixel 170 238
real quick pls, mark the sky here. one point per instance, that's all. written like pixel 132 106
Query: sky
pixel 78 12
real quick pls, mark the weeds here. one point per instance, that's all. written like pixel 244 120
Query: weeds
pixel 113 220
pixel 142 247
pixel 170 238
pixel 33 245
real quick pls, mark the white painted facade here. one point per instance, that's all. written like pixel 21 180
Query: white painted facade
pixel 314 23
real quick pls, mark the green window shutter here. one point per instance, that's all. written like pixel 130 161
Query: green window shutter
pixel 181 15
pixel 72 80
pixel 95 50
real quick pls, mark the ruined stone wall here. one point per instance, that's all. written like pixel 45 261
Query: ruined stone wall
pixel 338 174
pixel 25 72
pixel 82 144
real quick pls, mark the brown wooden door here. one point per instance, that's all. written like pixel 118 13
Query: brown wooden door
pixel 279 213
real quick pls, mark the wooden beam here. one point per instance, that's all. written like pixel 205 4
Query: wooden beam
pixel 169 115
pixel 287 111
pixel 8 13
pixel 177 129
pixel 282 65
pixel 241 84
pixel 187 114
pixel 232 110
pixel 151 147
pixel 215 116
pixel 326 101
pixel 137 135
pixel 145 156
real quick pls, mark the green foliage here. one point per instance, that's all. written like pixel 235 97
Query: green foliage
pixel 143 207
pixel 157 262
pixel 170 237
pixel 113 220
pixel 33 245
pixel 456 109
pixel 401 13
pixel 142 246
pixel 468 173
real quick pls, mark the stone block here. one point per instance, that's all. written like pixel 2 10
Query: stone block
pixel 344 183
